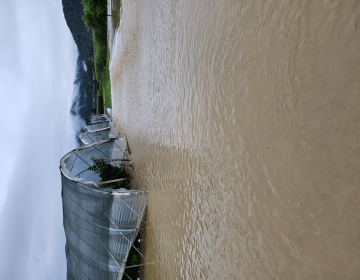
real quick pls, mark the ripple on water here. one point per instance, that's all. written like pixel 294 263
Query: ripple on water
pixel 242 119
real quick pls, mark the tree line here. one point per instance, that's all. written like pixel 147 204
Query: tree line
pixel 95 13
pixel 95 18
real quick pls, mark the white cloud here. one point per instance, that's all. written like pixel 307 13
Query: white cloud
pixel 37 130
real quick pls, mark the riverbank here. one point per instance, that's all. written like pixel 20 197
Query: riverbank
pixel 242 119
pixel 95 18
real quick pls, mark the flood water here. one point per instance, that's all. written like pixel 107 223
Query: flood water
pixel 243 122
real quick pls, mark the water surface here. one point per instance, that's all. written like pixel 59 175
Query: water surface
pixel 243 122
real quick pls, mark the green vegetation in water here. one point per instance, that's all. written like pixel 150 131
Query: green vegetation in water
pixel 107 172
pixel 133 259
pixel 95 17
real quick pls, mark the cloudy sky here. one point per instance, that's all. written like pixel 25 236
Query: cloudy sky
pixel 37 70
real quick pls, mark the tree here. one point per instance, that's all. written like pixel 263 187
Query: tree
pixel 109 172
pixel 95 13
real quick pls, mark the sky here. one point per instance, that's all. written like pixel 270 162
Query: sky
pixel 37 71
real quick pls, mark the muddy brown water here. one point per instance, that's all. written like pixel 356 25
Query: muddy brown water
pixel 243 119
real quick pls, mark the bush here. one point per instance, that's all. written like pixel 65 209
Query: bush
pixel 95 13
pixel 109 172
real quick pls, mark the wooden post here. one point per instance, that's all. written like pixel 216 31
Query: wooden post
pixel 112 181
pixel 111 159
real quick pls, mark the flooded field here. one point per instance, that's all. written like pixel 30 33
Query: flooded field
pixel 243 122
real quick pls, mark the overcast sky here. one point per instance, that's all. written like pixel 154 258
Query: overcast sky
pixel 37 70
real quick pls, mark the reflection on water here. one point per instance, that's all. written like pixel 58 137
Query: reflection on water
pixel 243 121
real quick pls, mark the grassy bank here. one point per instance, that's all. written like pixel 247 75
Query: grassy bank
pixel 106 83
pixel 95 17
pixel 101 64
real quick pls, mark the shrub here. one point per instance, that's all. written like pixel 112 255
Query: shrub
pixel 95 13
pixel 107 172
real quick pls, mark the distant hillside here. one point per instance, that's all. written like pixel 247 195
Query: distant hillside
pixel 73 11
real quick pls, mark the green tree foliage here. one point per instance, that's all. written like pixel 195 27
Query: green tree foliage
pixel 95 17
pixel 95 13
pixel 73 11
pixel 107 172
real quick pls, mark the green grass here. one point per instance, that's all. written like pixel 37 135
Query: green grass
pixel 106 83
pixel 101 64
pixel 100 45
pixel 95 17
